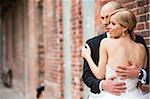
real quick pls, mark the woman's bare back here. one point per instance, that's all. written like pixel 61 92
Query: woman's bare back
pixel 122 50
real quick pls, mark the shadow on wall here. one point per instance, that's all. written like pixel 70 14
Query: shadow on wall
pixel 7 78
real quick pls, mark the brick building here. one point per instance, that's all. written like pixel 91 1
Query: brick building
pixel 41 41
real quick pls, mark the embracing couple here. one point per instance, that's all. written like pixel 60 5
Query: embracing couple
pixel 116 61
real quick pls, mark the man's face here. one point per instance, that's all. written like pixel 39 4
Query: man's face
pixel 105 17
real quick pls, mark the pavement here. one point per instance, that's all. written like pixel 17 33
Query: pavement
pixel 8 93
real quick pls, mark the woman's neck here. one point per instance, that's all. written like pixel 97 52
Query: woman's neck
pixel 126 36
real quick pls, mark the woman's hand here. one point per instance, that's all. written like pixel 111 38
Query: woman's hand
pixel 86 51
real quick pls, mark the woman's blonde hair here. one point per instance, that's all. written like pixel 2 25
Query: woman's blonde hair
pixel 125 18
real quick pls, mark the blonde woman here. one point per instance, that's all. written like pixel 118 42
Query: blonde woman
pixel 118 50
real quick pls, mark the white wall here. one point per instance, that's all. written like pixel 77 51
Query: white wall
pixel 67 49
pixel 88 17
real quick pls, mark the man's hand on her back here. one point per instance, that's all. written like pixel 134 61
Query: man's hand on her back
pixel 145 88
pixel 125 72
pixel 113 87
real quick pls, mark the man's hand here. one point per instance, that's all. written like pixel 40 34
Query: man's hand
pixel 113 87
pixel 125 72
pixel 145 88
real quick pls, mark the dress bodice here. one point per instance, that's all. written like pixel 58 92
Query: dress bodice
pixel 130 83
pixel 132 92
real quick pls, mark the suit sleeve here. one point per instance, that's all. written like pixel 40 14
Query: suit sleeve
pixel 147 67
pixel 141 40
pixel 89 79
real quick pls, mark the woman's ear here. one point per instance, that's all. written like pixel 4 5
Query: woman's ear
pixel 125 29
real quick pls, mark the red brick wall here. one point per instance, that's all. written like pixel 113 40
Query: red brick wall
pixel 53 49
pixel 33 36
pixel 54 76
pixel 76 43
pixel 41 58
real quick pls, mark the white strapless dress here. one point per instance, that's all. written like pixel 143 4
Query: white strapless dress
pixel 132 92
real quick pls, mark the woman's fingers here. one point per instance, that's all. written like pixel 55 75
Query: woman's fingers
pixel 87 46
pixel 85 51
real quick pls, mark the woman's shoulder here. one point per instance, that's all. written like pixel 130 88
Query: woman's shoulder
pixel 106 42
pixel 141 46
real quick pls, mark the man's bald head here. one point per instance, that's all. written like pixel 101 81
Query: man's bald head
pixel 111 5
pixel 106 10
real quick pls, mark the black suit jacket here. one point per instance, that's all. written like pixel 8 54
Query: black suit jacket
pixel 88 77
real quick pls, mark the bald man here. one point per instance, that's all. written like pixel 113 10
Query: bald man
pixel 96 85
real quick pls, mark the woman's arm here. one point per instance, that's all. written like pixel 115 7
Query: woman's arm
pixel 98 71
pixel 103 59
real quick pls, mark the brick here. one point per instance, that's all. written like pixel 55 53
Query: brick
pixel 147 17
pixel 142 10
pixel 147 41
pixel 145 33
pixel 142 18
pixel 147 25
pixel 140 26
pixel 141 3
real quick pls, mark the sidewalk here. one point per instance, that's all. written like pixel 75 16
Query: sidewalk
pixel 6 93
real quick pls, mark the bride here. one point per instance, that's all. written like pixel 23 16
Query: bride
pixel 117 50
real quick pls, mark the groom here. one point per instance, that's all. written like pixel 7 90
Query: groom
pixel 97 85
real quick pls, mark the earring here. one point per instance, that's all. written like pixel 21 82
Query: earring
pixel 123 34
